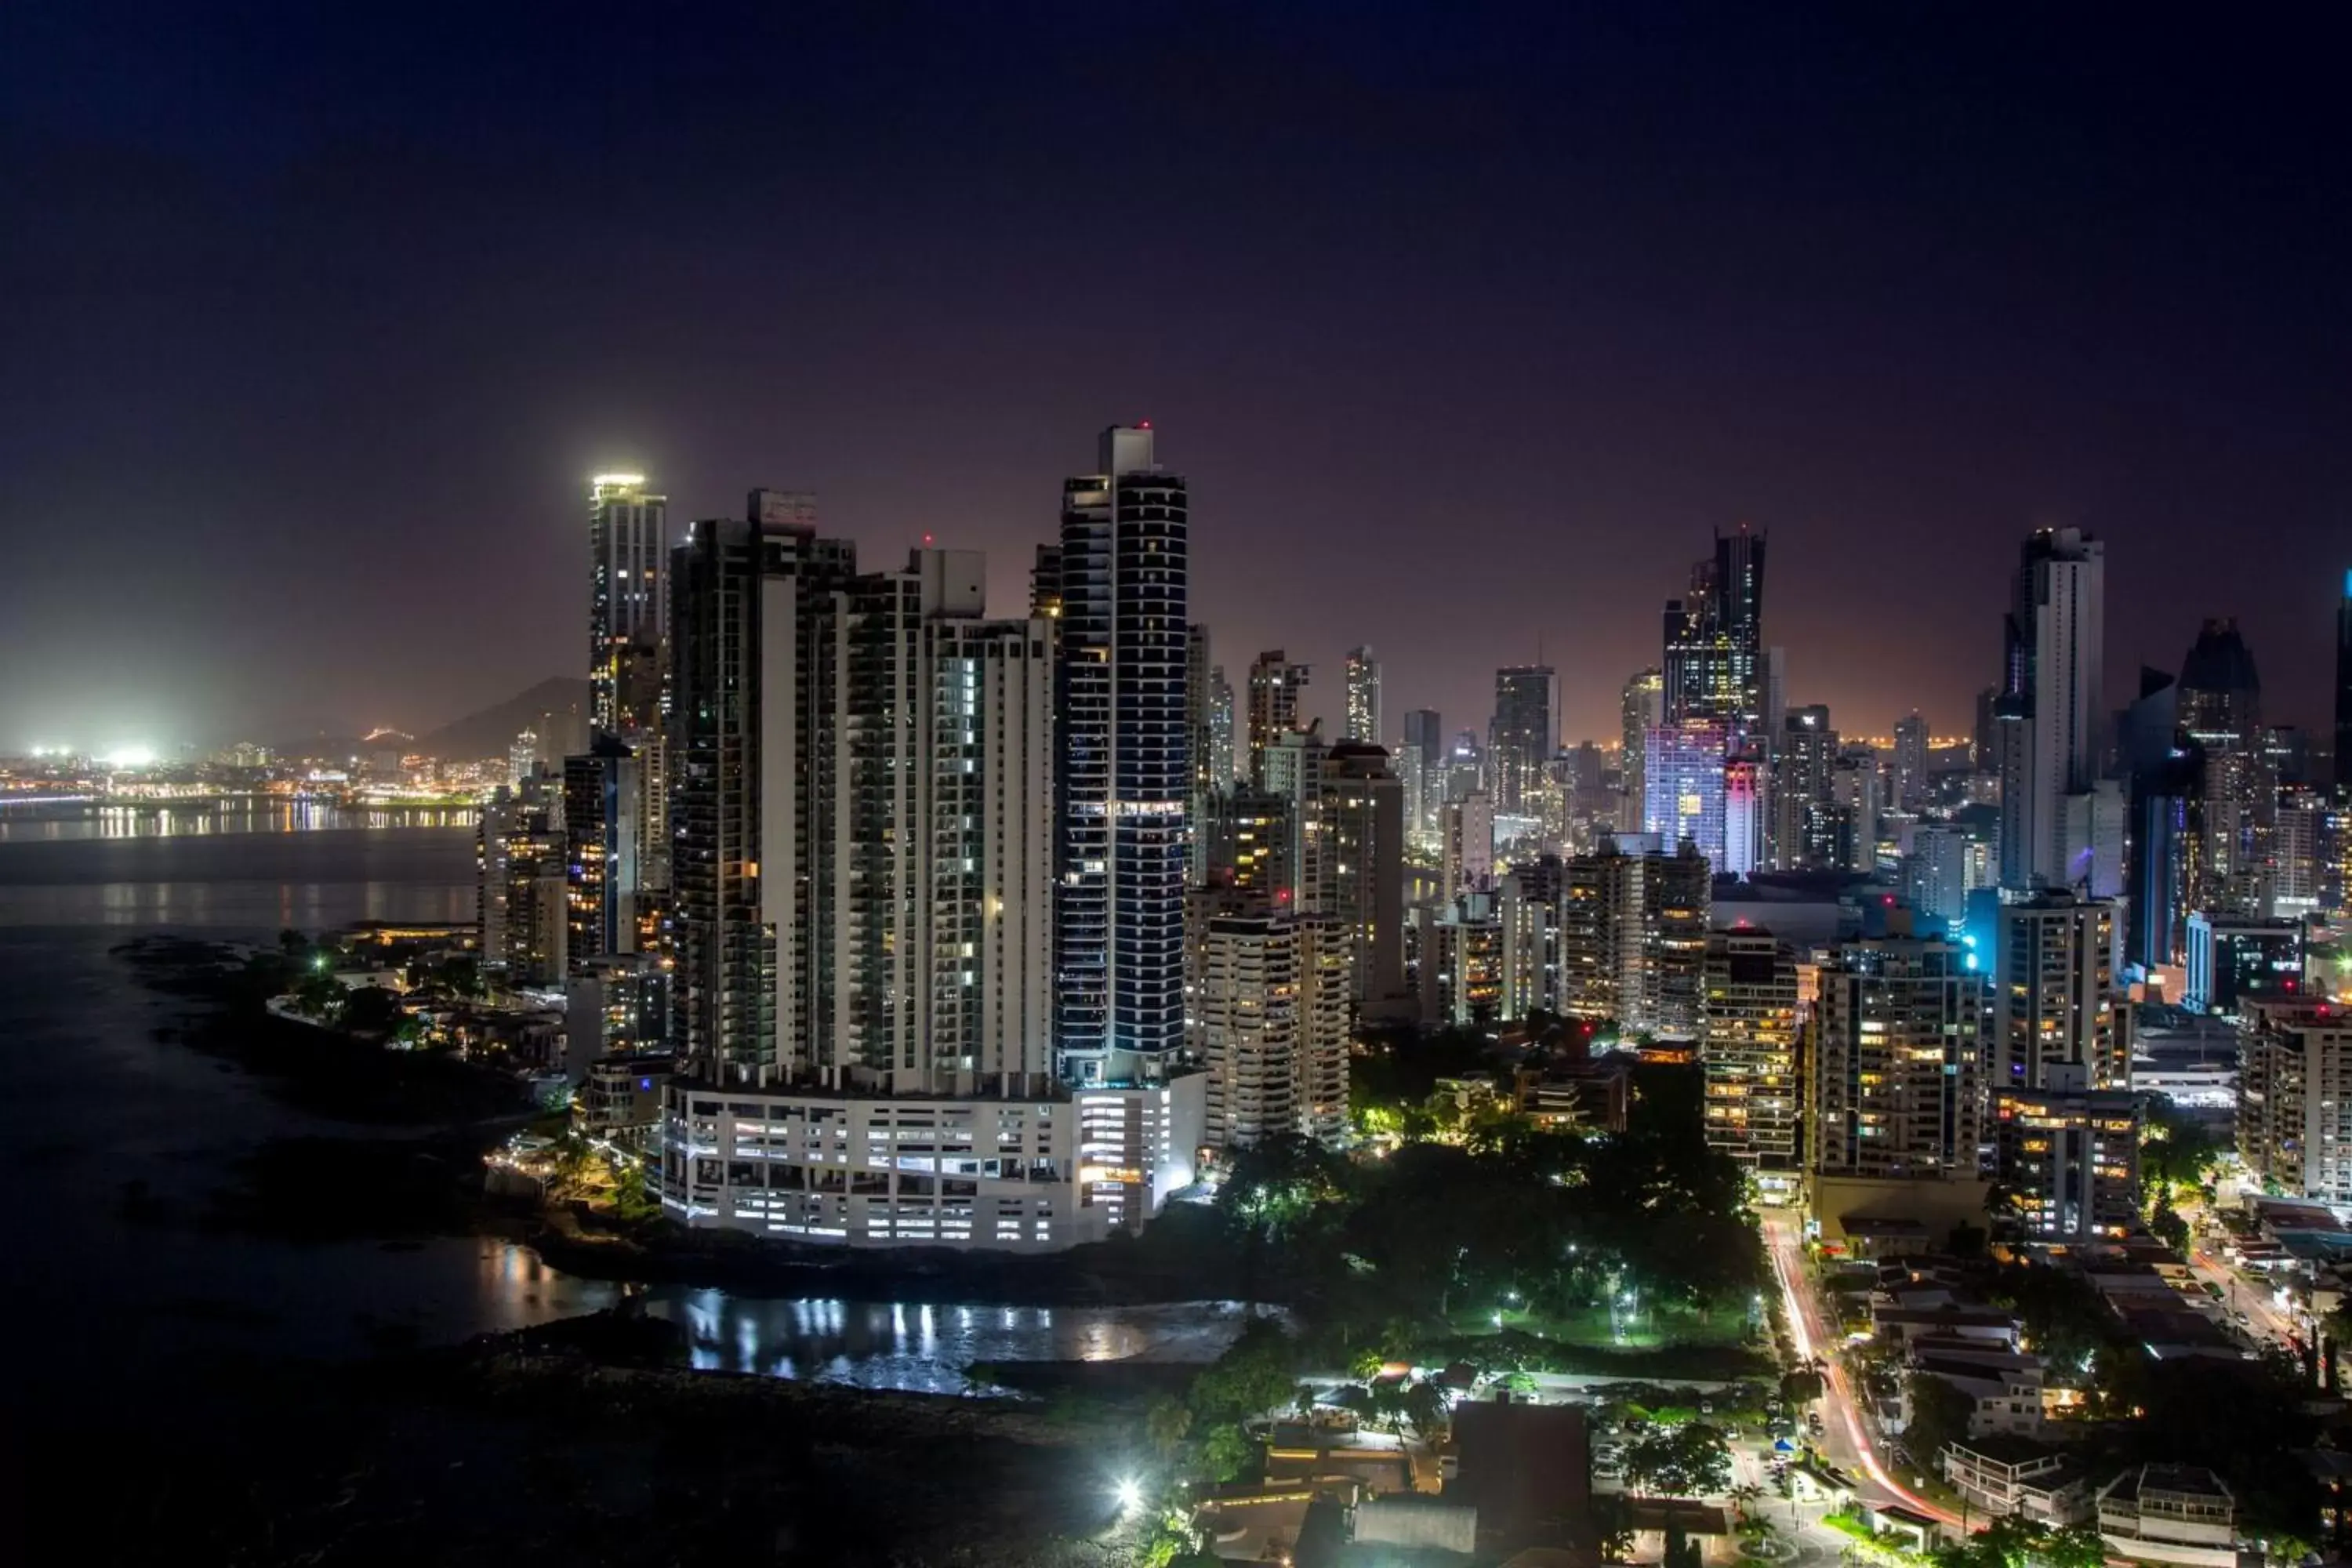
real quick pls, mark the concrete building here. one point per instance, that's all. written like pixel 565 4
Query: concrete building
pixel 522 887
pixel 628 653
pixel 1529 906
pixel 1896 1062
pixel 606 952
pixel 1755 1097
pixel 1272 1028
pixel 1036 1174
pixel 1420 767
pixel 1910 763
pixel 1936 879
pixel 1461 960
pixel 1634 932
pixel 2233 798
pixel 2002 1476
pixel 1805 763
pixel 1466 862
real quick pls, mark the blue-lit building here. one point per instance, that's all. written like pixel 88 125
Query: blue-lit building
pixel 1118 584
pixel 1682 783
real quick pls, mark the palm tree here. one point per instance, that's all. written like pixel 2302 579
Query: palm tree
pixel 1743 1494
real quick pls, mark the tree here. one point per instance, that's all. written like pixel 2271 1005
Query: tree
pixel 372 1010
pixel 1801 1387
pixel 1681 1551
pixel 2166 1225
pixel 1686 1460
pixel 2016 1542
pixel 1166 1424
pixel 1939 1416
pixel 1612 1526
pixel 1258 1372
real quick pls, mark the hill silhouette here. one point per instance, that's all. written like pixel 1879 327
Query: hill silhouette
pixel 557 708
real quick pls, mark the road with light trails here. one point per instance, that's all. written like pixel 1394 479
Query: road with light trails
pixel 2265 1319
pixel 1845 1440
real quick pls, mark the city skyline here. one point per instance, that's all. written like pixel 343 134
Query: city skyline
pixel 1469 431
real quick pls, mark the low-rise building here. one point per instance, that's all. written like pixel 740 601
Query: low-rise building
pixel 2170 1513
pixel 865 1169
pixel 621 1098
pixel 2004 1475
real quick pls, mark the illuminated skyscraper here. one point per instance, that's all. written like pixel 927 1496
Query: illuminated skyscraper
pixel 1642 710
pixel 628 612
pixel 1682 771
pixel 1714 665
pixel 2235 801
pixel 1895 1064
pixel 2054 1002
pixel 1910 763
pixel 1363 678
pixel 1633 938
pixel 1125 777
pixel 1521 742
pixel 2051 711
pixel 1420 767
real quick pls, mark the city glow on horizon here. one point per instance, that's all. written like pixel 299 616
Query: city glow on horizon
pixel 135 756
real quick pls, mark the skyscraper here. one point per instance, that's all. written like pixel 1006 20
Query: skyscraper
pixel 1642 710
pixel 1201 740
pixel 1804 771
pixel 1682 773
pixel 1910 763
pixel 2233 805
pixel 627 610
pixel 1363 678
pixel 2052 706
pixel 2343 692
pixel 1521 742
pixel 1714 665
pixel 1274 684
pixel 1420 767
pixel 1124 778
pixel 757 761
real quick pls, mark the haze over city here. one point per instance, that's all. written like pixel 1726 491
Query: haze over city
pixel 1467 330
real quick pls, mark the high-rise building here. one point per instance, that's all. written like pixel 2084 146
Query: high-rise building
pixel 1531 898
pixel 522 890
pixel 2055 1017
pixel 1420 767
pixel 1124 780
pixel 1461 960
pixel 1910 763
pixel 757 760
pixel 2233 809
pixel 2343 692
pixel 1936 875
pixel 2052 706
pixel 1221 728
pixel 2298 856
pixel 1526 701
pixel 628 608
pixel 2069 1160
pixel 1250 846
pixel 602 794
pixel 1273 1013
pixel 1682 779
pixel 1200 727
pixel 2294 1100
pixel 866 835
pixel 1894 1062
pixel 1715 666
pixel 1466 857
pixel 1754 1096
pixel 1747 816
pixel 1804 768
pixel 1632 943
pixel 2161 782
pixel 1355 875
pixel 1642 709
pixel 1363 678
pixel 629 658
pixel 1274 684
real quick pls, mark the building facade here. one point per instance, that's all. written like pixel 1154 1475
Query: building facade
pixel 1895 1061
pixel 1271 1017
pixel 1755 1097
pixel 1633 936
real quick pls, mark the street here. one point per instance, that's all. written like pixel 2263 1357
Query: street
pixel 1845 1440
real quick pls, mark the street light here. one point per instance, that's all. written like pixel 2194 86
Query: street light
pixel 1129 1493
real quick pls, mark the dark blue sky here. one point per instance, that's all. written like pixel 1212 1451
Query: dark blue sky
pixel 1467 323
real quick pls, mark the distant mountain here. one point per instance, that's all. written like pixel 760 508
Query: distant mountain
pixel 556 708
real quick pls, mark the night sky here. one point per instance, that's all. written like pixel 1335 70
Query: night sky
pixel 1466 324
